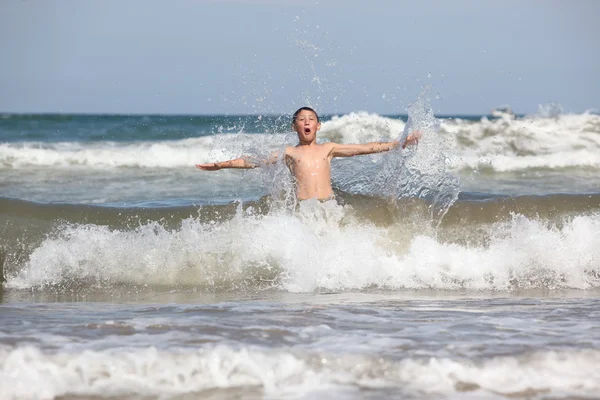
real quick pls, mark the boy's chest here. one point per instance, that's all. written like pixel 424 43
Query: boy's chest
pixel 309 160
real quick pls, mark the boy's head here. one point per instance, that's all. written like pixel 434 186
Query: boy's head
pixel 306 123
pixel 298 111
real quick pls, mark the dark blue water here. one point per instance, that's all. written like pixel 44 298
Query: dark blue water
pixel 124 128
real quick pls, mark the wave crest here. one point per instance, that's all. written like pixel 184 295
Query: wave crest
pixel 318 247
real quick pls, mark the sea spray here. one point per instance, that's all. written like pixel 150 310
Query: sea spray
pixel 424 172
pixel 421 171
pixel 275 175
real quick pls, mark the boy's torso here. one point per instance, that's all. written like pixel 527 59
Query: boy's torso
pixel 311 166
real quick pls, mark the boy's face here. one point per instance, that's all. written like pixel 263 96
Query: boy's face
pixel 306 126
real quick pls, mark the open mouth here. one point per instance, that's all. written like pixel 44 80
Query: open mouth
pixel 306 130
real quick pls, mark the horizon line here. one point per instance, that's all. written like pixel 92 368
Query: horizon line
pixel 116 114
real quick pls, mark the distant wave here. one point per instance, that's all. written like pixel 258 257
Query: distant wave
pixel 101 155
pixel 502 144
pixel 510 143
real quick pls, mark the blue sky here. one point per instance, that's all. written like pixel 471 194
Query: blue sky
pixel 261 56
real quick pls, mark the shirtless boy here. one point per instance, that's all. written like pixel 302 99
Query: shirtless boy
pixel 309 162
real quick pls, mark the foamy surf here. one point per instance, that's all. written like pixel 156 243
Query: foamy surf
pixel 321 246
pixel 28 373
pixel 110 155
pixel 531 142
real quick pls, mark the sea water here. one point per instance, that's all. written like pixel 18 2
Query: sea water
pixel 465 267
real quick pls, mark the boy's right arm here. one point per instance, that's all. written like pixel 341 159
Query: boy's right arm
pixel 242 163
pixel 348 150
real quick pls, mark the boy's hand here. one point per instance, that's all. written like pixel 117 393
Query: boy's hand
pixel 208 167
pixel 411 139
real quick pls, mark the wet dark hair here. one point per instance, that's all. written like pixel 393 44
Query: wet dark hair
pixel 304 109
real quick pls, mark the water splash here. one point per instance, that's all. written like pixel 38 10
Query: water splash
pixel 550 110
pixel 422 171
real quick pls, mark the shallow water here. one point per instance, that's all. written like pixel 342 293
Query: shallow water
pixel 413 344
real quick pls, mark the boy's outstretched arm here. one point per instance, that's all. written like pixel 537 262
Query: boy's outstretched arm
pixel 239 163
pixel 348 150
pixel 242 162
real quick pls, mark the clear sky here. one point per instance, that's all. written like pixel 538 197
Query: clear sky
pixel 269 56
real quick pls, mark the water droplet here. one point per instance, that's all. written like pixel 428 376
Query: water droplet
pixel 429 75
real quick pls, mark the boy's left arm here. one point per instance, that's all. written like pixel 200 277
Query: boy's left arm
pixel 349 150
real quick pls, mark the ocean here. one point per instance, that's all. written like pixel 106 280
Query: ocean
pixel 467 267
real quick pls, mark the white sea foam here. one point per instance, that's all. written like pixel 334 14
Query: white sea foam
pixel 165 154
pixel 502 144
pixel 361 127
pixel 28 373
pixel 545 140
pixel 510 144
pixel 321 246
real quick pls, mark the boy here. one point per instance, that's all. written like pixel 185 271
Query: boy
pixel 309 162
